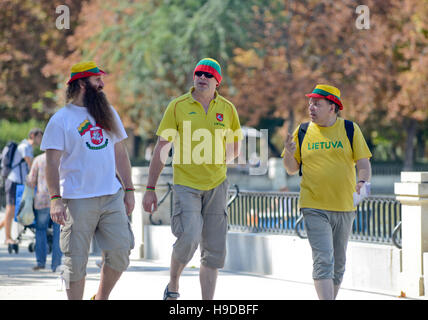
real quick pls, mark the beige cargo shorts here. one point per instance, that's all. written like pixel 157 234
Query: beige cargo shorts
pixel 200 218
pixel 103 217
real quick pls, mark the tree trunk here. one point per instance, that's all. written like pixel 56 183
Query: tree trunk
pixel 420 145
pixel 291 121
pixel 411 128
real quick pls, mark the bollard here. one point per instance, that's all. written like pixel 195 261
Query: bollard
pixel 139 216
pixel 412 192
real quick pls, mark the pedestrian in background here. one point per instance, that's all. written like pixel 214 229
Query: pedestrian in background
pixel 21 164
pixel 37 179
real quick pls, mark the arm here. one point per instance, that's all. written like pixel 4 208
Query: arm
pixel 58 213
pixel 232 151
pixel 123 168
pixel 32 176
pixel 29 161
pixel 26 154
pixel 157 164
pixel 364 172
pixel 290 163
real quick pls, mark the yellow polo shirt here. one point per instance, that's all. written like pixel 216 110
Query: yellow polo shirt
pixel 200 139
pixel 329 175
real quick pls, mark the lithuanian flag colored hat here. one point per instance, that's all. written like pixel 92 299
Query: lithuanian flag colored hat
pixel 83 70
pixel 210 66
pixel 327 92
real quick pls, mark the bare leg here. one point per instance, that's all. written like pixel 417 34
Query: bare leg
pixel 108 280
pixel 324 289
pixel 175 273
pixel 336 290
pixel 208 279
pixel 10 210
pixel 76 290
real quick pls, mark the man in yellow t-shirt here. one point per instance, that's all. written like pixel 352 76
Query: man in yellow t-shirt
pixel 327 160
pixel 205 131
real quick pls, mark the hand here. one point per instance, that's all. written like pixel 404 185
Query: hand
pixel 58 212
pixel 150 201
pixel 359 186
pixel 129 200
pixel 290 145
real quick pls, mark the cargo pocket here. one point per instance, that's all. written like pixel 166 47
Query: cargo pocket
pixel 176 223
pixel 65 239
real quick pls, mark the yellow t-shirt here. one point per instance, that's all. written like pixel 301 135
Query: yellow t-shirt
pixel 328 168
pixel 200 139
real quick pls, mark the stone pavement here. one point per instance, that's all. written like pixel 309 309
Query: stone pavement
pixel 146 280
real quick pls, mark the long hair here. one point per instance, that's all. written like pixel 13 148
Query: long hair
pixel 96 103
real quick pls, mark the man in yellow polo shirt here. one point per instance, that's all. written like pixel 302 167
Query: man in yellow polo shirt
pixel 205 130
pixel 327 159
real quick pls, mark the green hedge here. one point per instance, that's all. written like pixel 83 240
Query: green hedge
pixel 18 131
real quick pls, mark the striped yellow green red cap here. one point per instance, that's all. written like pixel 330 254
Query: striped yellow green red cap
pixel 211 66
pixel 84 69
pixel 327 92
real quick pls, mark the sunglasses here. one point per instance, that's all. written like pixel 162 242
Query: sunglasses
pixel 206 74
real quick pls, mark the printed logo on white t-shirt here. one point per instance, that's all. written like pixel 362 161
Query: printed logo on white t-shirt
pixel 95 139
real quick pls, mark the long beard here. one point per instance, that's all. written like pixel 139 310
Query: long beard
pixel 98 107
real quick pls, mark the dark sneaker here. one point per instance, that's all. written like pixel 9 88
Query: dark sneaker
pixel 37 268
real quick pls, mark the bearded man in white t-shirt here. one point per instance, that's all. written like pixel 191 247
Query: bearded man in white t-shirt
pixel 89 180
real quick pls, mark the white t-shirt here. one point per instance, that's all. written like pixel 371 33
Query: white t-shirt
pixel 23 150
pixel 87 167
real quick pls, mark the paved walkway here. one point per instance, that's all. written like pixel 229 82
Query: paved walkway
pixel 146 280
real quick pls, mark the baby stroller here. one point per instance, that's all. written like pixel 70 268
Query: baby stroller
pixel 23 228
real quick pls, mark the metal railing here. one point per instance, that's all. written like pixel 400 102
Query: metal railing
pixel 378 218
pixel 275 212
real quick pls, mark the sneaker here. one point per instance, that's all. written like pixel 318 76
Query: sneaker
pixel 37 268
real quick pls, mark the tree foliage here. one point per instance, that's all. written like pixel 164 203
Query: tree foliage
pixel 272 52
pixel 380 71
pixel 27 33
pixel 150 48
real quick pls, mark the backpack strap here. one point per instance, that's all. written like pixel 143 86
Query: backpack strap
pixel 18 164
pixel 303 128
pixel 349 127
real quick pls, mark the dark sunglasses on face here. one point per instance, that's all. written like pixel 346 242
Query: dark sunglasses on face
pixel 206 74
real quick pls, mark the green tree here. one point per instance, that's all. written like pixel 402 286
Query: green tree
pixel 151 48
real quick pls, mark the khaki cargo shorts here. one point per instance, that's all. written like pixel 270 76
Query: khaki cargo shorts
pixel 103 217
pixel 200 218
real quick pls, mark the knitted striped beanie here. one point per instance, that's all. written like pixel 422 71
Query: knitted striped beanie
pixel 210 66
